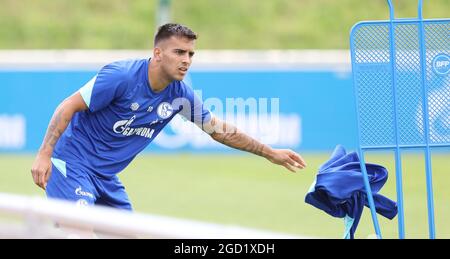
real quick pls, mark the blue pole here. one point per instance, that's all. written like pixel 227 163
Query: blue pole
pixel 398 160
pixel 419 11
pixel 428 169
pixel 369 194
pixel 361 154
pixel 391 10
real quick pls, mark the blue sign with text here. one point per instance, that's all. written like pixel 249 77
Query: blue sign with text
pixel 302 110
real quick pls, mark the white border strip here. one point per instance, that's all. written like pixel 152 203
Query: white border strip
pixel 204 60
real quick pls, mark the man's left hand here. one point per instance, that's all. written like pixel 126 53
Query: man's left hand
pixel 287 158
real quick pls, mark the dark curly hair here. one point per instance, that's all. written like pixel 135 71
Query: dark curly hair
pixel 173 29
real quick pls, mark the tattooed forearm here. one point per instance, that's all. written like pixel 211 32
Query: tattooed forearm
pixel 55 129
pixel 232 137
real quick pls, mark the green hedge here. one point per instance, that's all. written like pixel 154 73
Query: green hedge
pixel 222 24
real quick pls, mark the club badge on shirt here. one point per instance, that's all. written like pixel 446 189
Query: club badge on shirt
pixel 165 110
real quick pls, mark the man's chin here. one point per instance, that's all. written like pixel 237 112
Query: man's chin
pixel 179 77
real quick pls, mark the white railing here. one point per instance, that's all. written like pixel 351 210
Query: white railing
pixel 38 212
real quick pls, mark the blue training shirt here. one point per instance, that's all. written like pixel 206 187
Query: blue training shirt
pixel 124 116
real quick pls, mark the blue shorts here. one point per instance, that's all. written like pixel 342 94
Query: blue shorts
pixel 68 182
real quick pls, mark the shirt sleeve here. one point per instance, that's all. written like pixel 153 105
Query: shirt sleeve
pixel 193 107
pixel 102 89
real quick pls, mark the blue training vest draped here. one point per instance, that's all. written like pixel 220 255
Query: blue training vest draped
pixel 339 189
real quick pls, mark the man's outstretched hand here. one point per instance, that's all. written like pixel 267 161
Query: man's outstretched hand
pixel 287 158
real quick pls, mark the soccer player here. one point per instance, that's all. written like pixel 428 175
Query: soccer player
pixel 95 133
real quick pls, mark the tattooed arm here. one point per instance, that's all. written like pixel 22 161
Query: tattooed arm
pixel 229 135
pixel 41 168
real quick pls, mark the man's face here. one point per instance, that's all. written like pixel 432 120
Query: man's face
pixel 176 56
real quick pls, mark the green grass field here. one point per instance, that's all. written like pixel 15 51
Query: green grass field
pixel 247 191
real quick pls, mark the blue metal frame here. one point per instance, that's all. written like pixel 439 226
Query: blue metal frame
pixel 398 158
pixel 429 180
pixel 397 144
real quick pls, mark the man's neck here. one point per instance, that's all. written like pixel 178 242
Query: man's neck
pixel 158 82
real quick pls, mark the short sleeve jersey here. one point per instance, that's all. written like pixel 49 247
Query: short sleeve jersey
pixel 124 116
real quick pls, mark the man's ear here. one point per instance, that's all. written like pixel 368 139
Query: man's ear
pixel 157 54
